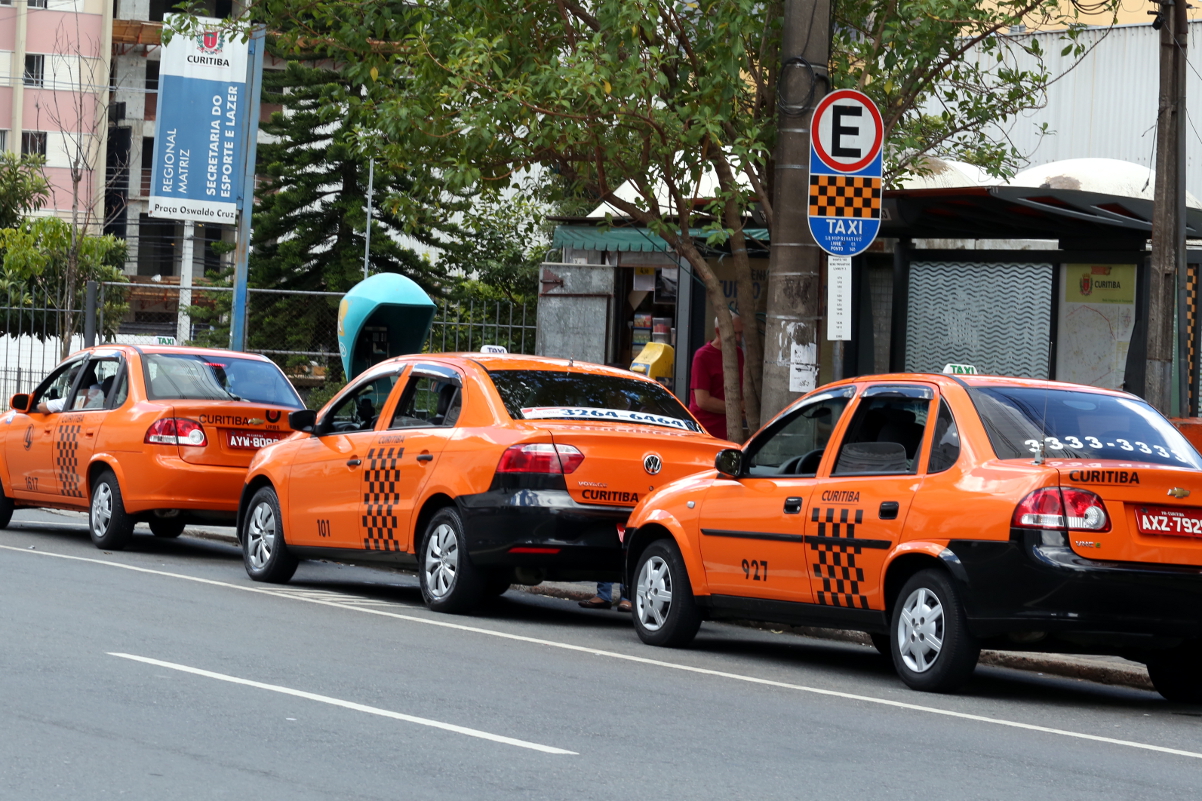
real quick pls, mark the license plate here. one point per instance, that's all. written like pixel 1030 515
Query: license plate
pixel 252 440
pixel 1162 520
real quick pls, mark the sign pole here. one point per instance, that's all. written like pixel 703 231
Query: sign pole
pixel 246 202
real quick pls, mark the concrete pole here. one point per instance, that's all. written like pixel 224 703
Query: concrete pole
pixel 1168 214
pixel 792 337
pixel 17 125
pixel 183 325
pixel 371 174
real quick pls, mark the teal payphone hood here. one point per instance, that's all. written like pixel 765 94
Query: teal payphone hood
pixel 382 316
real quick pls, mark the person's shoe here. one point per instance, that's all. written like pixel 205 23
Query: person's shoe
pixel 624 605
pixel 596 602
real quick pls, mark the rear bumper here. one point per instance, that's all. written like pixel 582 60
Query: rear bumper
pixel 164 481
pixel 1024 586
pixel 584 538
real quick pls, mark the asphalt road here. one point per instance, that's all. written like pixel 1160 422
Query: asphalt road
pixel 164 672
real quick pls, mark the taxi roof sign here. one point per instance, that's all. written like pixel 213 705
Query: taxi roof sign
pixel 846 165
pixel 960 369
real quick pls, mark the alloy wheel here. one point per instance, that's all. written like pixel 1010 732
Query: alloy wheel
pixel 920 630
pixel 260 534
pixel 653 593
pixel 442 561
pixel 102 509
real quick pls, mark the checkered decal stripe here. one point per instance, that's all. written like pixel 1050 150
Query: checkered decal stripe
pixel 1191 304
pixel 66 460
pixel 381 491
pixel 836 566
pixel 845 196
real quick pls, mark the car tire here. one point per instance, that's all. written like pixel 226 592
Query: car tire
pixel 109 525
pixel 6 509
pixel 1174 674
pixel 882 644
pixel 932 648
pixel 497 584
pixel 264 550
pixel 166 527
pixel 449 581
pixel 665 612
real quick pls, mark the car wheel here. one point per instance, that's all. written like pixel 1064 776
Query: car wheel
pixel 1174 674
pixel 6 509
pixel 166 527
pixel 932 648
pixel 111 528
pixel 449 581
pixel 665 612
pixel 264 551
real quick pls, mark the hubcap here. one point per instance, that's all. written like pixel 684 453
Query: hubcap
pixel 102 509
pixel 653 596
pixel 920 630
pixel 260 535
pixel 442 561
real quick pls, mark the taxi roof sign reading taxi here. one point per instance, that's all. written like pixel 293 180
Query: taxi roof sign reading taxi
pixel 845 173
pixel 960 369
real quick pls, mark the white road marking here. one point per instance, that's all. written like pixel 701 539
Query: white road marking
pixel 631 658
pixel 371 710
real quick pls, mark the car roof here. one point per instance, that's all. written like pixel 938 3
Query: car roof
pixel 944 380
pixel 519 361
pixel 176 349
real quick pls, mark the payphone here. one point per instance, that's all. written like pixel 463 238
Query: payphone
pixel 382 316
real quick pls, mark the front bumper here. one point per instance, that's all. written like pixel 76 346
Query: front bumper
pixel 584 538
pixel 1027 584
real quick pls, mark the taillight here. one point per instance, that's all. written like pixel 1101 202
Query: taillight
pixel 1062 508
pixel 176 431
pixel 540 457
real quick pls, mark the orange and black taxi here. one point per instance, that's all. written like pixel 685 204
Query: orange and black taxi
pixel 140 433
pixel 482 470
pixel 942 514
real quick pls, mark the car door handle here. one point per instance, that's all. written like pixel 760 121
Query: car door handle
pixel 353 462
pixel 792 506
pixel 889 510
pixel 425 457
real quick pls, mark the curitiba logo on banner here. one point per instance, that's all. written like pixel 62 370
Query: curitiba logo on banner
pixel 200 136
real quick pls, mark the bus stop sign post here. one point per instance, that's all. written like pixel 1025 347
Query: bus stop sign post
pixel 246 202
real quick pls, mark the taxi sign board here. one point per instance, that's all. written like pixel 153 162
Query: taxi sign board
pixel 845 173
pixel 960 369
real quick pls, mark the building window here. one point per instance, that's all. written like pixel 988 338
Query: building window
pixel 33 143
pixel 36 3
pixel 35 70
pixel 1020 28
pixel 3 136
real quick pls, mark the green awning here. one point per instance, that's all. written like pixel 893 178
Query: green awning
pixel 626 240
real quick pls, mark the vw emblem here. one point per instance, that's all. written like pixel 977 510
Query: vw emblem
pixel 652 463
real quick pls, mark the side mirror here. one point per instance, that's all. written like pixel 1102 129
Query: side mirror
pixel 20 402
pixel 729 462
pixel 302 420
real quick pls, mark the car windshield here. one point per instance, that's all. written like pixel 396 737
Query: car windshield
pixel 558 395
pixel 194 376
pixel 1079 425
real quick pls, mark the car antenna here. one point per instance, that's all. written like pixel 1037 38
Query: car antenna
pixel 571 361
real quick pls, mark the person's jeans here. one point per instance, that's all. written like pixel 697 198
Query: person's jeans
pixel 605 591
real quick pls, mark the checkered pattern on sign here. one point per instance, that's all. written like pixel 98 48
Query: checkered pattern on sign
pixel 1191 305
pixel 381 491
pixel 845 196
pixel 836 567
pixel 66 460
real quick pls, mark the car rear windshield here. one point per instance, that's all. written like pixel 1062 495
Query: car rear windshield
pixel 1067 424
pixel 554 395
pixel 193 376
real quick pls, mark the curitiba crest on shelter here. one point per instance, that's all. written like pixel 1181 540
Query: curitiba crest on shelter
pixel 845 173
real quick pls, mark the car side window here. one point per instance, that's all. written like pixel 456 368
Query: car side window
pixel 51 396
pixel 121 393
pixel 885 435
pixel 945 447
pixel 359 408
pixel 96 385
pixel 794 447
pixel 428 403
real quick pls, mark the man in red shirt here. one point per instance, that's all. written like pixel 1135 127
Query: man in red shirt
pixel 708 402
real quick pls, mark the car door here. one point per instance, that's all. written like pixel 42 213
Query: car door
pixel 406 454
pixel 29 448
pixel 325 481
pixel 77 427
pixel 753 526
pixel 858 512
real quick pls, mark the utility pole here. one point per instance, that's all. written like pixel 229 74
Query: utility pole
pixel 1166 280
pixel 792 333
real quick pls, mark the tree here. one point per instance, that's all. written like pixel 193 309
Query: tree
pixel 22 187
pixel 499 250
pixel 664 97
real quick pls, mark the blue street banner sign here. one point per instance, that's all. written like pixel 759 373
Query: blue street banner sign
pixel 201 126
pixel 845 173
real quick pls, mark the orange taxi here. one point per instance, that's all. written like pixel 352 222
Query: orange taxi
pixel 142 433
pixel 482 470
pixel 942 514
